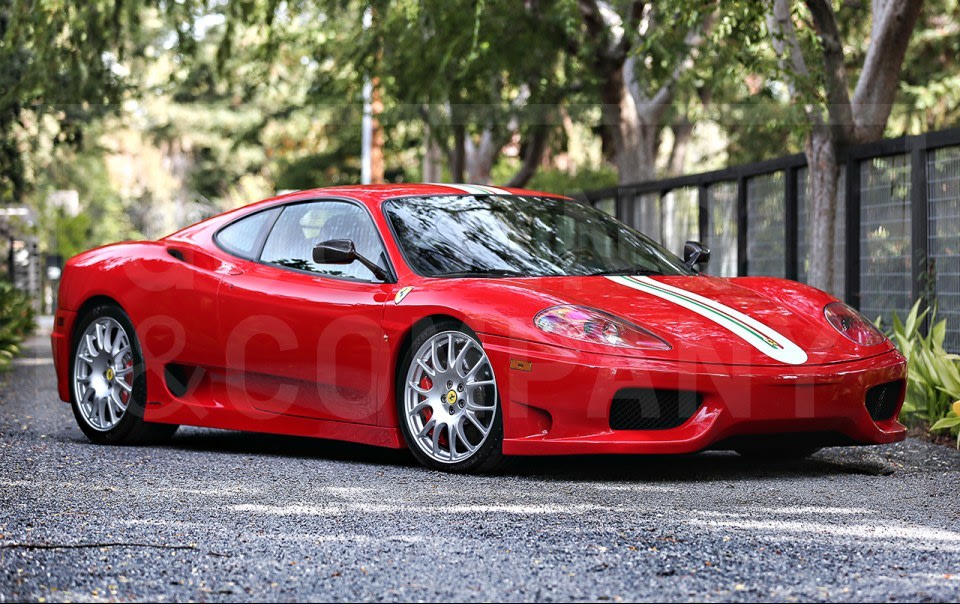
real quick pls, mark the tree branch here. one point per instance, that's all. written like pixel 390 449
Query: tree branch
pixel 537 144
pixel 652 109
pixel 571 44
pixel 630 27
pixel 893 25
pixel 601 21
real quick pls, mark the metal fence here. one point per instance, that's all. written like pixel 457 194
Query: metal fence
pixel 898 224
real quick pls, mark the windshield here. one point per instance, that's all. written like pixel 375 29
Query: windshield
pixel 491 235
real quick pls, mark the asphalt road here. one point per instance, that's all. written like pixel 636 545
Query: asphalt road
pixel 218 516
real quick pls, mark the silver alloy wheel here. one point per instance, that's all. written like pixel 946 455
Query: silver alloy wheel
pixel 450 397
pixel 103 373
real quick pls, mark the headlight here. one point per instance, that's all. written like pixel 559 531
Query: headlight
pixel 852 325
pixel 595 326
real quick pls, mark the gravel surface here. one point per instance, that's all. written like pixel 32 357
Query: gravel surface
pixel 218 516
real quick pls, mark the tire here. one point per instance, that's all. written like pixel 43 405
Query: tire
pixel 777 453
pixel 475 423
pixel 108 383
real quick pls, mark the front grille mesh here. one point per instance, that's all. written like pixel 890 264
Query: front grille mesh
pixel 652 409
pixel 882 400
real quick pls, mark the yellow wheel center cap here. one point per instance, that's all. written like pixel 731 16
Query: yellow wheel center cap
pixel 110 373
pixel 451 397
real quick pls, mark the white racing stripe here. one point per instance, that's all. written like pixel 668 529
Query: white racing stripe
pixel 472 189
pixel 751 331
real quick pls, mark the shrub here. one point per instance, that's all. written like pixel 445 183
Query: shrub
pixel 16 321
pixel 933 380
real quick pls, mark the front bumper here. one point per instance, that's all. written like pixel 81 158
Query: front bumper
pixel 559 403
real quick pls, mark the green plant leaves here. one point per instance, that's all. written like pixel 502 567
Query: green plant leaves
pixel 933 379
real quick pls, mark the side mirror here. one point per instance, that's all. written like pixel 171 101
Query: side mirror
pixel 695 255
pixel 342 251
pixel 335 251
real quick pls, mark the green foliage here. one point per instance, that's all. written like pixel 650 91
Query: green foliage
pixel 933 380
pixel 16 322
pixel 59 60
pixel 929 95
pixel 563 182
pixel 951 421
pixel 105 216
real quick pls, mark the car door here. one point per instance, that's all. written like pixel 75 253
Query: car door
pixel 302 338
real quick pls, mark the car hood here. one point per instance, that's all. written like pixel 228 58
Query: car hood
pixel 746 321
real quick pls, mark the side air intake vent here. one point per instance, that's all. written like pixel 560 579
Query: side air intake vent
pixel 882 400
pixel 652 409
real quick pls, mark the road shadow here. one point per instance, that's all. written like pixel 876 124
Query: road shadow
pixel 252 443
pixel 702 467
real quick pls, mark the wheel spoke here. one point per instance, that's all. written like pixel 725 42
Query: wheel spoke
pixel 433 355
pixel 458 427
pixel 426 369
pixel 418 408
pixel 451 357
pixel 116 405
pixel 436 439
pixel 452 439
pixel 123 371
pixel 106 341
pixel 123 384
pixel 117 343
pixel 472 374
pixel 426 428
pixel 475 407
pixel 102 411
pixel 476 422
pixel 123 350
pixel 460 358
pixel 416 387
pixel 480 383
pixel 100 336
pixel 92 349
pixel 85 398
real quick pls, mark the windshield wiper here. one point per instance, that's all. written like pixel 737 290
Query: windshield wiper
pixel 483 272
pixel 624 270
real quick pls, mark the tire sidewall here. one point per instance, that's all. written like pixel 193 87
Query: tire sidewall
pixel 133 416
pixel 490 452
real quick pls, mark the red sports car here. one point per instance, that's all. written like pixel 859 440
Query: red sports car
pixel 463 322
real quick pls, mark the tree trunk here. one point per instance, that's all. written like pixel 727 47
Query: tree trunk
pixel 823 170
pixel 635 150
pixel 536 144
pixel 459 153
pixel 431 166
pixel 682 133
pixel 636 142
pixel 480 157
pixel 376 140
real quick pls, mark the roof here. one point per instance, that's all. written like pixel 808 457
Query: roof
pixel 382 192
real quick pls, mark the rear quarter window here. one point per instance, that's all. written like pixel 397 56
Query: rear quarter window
pixel 244 237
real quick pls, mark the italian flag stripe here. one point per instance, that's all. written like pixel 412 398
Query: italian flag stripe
pixel 708 309
pixel 471 189
pixel 758 335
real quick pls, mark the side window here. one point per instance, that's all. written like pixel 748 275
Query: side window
pixel 302 226
pixel 244 237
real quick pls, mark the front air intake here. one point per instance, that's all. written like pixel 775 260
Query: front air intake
pixel 882 400
pixel 652 409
